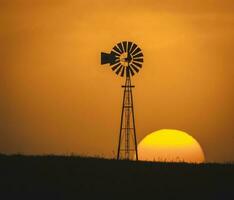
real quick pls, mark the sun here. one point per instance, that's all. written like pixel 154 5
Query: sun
pixel 170 145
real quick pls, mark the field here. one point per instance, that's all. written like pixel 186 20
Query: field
pixel 73 177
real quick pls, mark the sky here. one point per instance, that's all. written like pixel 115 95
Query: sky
pixel 56 98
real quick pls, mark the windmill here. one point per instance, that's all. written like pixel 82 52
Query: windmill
pixel 126 59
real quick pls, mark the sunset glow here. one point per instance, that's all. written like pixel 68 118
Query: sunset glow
pixel 57 98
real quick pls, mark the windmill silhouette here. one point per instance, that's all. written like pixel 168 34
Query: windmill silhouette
pixel 126 59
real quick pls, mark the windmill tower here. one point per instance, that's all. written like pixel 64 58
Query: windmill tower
pixel 126 59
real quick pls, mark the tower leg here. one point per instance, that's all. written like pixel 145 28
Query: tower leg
pixel 134 128
pixel 121 125
pixel 127 145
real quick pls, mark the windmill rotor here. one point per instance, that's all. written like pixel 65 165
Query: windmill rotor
pixel 125 59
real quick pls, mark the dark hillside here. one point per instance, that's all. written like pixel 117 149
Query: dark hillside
pixel 61 177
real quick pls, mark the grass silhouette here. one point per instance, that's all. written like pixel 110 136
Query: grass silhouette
pixel 74 177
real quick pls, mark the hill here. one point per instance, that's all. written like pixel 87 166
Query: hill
pixel 72 177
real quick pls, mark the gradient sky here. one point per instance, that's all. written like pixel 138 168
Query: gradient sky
pixel 57 98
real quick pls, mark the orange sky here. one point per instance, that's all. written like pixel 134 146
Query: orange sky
pixel 57 98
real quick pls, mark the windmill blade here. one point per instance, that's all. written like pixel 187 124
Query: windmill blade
pixel 137 64
pixel 119 69
pixel 117 54
pixel 134 46
pixel 117 50
pixel 129 46
pixel 138 55
pixel 120 47
pixel 122 73
pixel 138 59
pixel 125 46
pixel 115 67
pixel 135 68
pixel 132 72
pixel 136 51
pixel 114 62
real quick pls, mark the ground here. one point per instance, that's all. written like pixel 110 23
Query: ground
pixel 73 177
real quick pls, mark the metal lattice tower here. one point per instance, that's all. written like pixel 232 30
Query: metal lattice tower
pixel 127 134
pixel 126 59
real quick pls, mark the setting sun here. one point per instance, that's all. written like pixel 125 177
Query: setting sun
pixel 170 146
